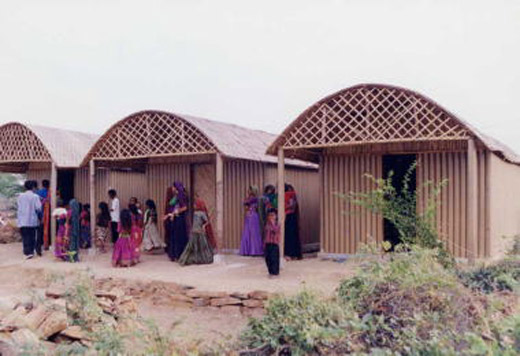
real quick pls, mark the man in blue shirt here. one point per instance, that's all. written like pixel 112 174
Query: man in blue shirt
pixel 29 206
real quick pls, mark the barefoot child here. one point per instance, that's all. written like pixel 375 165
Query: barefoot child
pixel 124 254
pixel 272 239
pixel 151 239
pixel 102 227
pixel 85 226
pixel 137 228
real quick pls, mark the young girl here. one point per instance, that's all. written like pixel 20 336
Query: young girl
pixel 198 250
pixel 272 240
pixel 60 245
pixel 151 239
pixel 251 244
pixel 137 227
pixel 85 226
pixel 124 254
pixel 102 226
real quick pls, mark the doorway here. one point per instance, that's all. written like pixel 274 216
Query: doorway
pixel 399 165
pixel 66 184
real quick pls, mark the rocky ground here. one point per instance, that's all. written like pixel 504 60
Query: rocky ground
pixel 195 307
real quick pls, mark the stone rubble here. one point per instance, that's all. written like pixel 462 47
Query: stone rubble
pixel 51 321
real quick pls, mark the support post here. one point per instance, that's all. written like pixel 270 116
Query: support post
pixel 54 199
pixel 219 199
pixel 281 201
pixel 92 198
pixel 472 201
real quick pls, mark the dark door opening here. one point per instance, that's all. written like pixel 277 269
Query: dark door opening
pixel 399 165
pixel 66 185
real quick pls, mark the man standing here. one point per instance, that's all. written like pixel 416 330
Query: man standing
pixel 114 214
pixel 29 206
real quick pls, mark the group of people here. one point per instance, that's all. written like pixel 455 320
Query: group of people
pixel 189 238
pixel 261 233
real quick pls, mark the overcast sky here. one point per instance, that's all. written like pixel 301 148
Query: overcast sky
pixel 85 64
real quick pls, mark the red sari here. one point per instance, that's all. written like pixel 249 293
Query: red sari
pixel 46 220
pixel 201 205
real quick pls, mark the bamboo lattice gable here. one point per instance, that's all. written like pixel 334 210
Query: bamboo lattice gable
pixel 156 135
pixel 19 144
pixel 24 144
pixel 375 114
pixel 150 134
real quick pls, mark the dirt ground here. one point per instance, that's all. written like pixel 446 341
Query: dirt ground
pixel 234 274
pixel 20 278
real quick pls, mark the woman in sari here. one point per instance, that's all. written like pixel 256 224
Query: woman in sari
pixel 75 230
pixel 176 215
pixel 293 249
pixel 267 202
pixel 60 245
pixel 251 244
pixel 45 196
pixel 199 250
pixel 167 223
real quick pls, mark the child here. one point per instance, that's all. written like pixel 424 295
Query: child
pixel 198 251
pixel 85 226
pixel 272 239
pixel 124 254
pixel 102 226
pixel 137 227
pixel 60 245
pixel 151 239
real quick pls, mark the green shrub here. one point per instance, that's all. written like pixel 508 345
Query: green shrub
pixel 501 276
pixel 403 303
pixel 303 323
pixel 408 299
pixel 514 250
pixel 415 226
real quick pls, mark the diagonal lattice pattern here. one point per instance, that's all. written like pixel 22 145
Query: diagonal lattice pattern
pixel 19 144
pixel 151 134
pixel 372 113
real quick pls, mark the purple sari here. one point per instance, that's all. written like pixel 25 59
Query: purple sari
pixel 251 244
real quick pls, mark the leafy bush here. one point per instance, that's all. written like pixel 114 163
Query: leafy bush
pixel 303 323
pixel 515 246
pixel 415 226
pixel 409 299
pixel 501 276
pixel 10 185
pixel 403 303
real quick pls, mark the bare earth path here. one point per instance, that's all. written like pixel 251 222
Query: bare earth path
pixel 189 326
pixel 235 273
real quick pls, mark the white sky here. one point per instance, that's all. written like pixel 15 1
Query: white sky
pixel 85 64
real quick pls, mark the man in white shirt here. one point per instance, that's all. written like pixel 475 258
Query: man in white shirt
pixel 29 206
pixel 114 214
